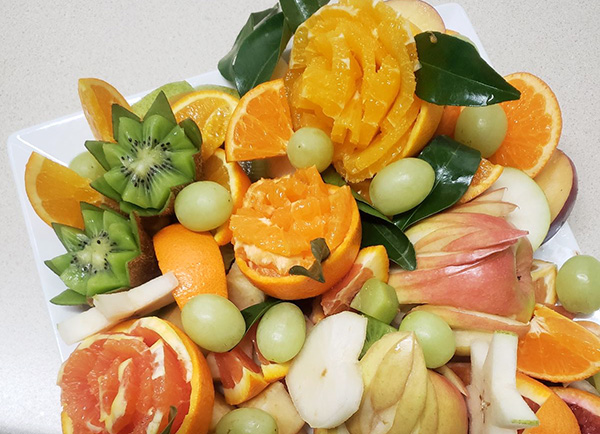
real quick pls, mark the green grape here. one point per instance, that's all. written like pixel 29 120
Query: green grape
pixel 482 128
pixel 87 166
pixel 578 284
pixel 378 300
pixel 434 336
pixel 310 147
pixel 213 322
pixel 402 185
pixel 247 421
pixel 281 332
pixel 203 206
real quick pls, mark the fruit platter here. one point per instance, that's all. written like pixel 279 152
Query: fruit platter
pixel 354 225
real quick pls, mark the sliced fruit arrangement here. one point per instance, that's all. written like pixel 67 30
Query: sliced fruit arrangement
pixel 131 376
pixel 149 160
pixel 278 224
pixel 337 267
pixel 111 253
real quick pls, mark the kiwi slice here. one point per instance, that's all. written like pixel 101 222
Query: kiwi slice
pixel 150 160
pixel 110 254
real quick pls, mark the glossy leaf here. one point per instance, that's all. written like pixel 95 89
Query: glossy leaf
pixel 454 165
pixel 253 313
pixel 321 252
pixel 453 73
pixel 254 20
pixel 298 11
pixel 258 54
pixel 380 232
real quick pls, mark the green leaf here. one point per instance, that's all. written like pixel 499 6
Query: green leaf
pixel 321 252
pixel 254 313
pixel 453 73
pixel 258 54
pixel 375 330
pixel 172 414
pixel 399 248
pixel 298 11
pixel 454 165
pixel 255 19
pixel 69 298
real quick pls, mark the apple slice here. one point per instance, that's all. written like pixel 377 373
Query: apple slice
pixel 325 380
pixel 558 180
pixel 494 402
pixel 533 212
pixel 420 13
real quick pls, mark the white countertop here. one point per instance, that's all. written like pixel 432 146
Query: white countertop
pixel 137 45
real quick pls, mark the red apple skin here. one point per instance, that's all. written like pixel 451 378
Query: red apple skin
pixel 559 182
pixel 499 284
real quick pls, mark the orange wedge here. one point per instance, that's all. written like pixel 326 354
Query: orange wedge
pixel 487 173
pixel 194 258
pixel 231 176
pixel 534 125
pixel 97 98
pixel 558 349
pixel 260 126
pixel 211 111
pixel 55 191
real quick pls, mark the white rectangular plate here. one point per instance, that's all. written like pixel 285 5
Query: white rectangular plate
pixel 63 138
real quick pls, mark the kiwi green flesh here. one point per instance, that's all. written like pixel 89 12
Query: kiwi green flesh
pixel 60 263
pixel 118 114
pixel 69 298
pixel 93 221
pixel 121 236
pixel 71 238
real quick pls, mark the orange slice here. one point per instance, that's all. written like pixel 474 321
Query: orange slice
pixel 534 125
pixel 554 414
pixel 231 176
pixel 487 173
pixel 194 258
pixel 558 349
pixel 260 126
pixel 97 98
pixel 126 379
pixel 211 111
pixel 55 191
pixel 273 230
pixel 352 75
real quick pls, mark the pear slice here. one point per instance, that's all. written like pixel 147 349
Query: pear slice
pixel 495 405
pixel 325 380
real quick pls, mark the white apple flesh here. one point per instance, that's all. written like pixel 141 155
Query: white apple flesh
pixel 420 13
pixel 533 212
pixel 325 381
